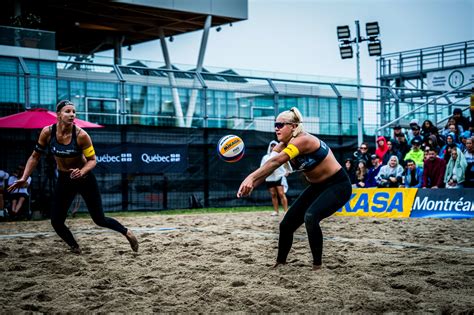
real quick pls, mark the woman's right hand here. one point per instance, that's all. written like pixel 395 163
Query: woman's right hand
pixel 246 187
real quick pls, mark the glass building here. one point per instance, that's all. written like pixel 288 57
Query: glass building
pixel 111 94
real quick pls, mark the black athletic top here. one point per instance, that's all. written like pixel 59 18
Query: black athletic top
pixel 64 150
pixel 307 162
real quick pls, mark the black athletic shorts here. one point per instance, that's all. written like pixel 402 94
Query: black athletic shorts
pixel 271 184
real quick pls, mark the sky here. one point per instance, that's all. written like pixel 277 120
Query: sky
pixel 299 36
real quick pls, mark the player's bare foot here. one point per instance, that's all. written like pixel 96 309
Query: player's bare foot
pixel 76 250
pixel 316 267
pixel 132 240
pixel 278 264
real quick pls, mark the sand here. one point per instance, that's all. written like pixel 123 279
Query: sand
pixel 222 263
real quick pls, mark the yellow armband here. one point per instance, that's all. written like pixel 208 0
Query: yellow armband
pixel 89 151
pixel 292 151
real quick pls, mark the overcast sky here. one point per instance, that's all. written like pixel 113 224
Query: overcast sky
pixel 299 36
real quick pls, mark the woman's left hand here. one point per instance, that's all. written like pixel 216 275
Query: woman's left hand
pixel 76 173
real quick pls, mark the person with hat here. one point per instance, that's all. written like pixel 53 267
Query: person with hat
pixel 413 123
pixel 414 133
pixel 415 154
pixel 397 129
pixel 370 181
pixel 402 146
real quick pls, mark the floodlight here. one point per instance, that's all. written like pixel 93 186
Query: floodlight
pixel 372 29
pixel 375 48
pixel 343 32
pixel 346 51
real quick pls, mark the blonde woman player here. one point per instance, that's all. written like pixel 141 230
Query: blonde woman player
pixel 329 186
pixel 75 156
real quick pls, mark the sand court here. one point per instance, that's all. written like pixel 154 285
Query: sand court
pixel 222 263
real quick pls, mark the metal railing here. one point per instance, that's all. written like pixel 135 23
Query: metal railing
pixel 25 37
pixel 419 60
pixel 430 102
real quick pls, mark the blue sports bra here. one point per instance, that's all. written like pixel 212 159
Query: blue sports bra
pixel 64 150
pixel 306 162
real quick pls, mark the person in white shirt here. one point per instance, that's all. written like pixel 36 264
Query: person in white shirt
pixel 276 183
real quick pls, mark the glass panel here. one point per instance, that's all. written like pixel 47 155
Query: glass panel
pixel 102 111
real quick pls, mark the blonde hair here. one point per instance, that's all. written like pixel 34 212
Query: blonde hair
pixel 293 115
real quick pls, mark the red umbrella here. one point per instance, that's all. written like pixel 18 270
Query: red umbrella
pixel 38 118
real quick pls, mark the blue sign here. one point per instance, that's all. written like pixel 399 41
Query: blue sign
pixel 134 158
pixel 444 203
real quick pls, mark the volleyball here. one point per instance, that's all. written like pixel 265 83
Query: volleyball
pixel 230 148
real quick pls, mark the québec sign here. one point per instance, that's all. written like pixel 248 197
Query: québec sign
pixel 132 158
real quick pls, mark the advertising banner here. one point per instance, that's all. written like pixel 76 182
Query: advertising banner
pixel 134 158
pixel 379 202
pixel 444 203
pixel 449 79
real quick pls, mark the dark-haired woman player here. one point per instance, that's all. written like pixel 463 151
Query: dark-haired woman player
pixel 75 158
pixel 329 189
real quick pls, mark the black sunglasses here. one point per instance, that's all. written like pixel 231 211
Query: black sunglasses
pixel 280 125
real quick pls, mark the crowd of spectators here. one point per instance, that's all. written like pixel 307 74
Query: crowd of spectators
pixel 421 156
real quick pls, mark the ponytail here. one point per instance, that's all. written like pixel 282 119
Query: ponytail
pixel 297 119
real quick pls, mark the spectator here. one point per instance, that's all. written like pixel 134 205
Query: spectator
pixel 413 176
pixel 432 141
pixel 452 127
pixel 397 131
pixel 426 151
pixel 350 169
pixel 3 177
pixel 373 171
pixel 18 195
pixel 449 144
pixel 276 182
pixel 415 134
pixel 439 138
pixel 392 150
pixel 462 139
pixel 427 128
pixel 433 171
pixel 469 155
pixel 460 119
pixel 403 146
pixel 413 126
pixel 415 154
pixel 455 170
pixel 381 147
pixel 361 174
pixel 390 175
pixel 362 153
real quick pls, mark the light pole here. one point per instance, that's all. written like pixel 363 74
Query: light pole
pixel 345 47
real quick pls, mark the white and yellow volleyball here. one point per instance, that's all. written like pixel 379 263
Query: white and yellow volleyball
pixel 230 148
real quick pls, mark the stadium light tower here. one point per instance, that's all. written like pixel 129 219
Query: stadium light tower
pixel 345 47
